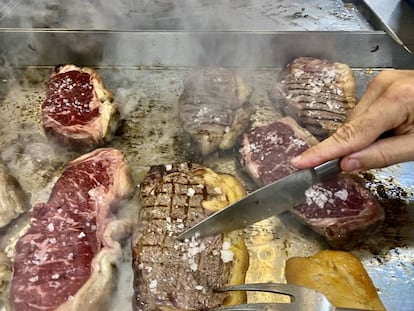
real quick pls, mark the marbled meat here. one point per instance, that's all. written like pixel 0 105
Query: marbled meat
pixel 214 108
pixel 174 275
pixel 66 258
pixel 79 111
pixel 317 93
pixel 340 209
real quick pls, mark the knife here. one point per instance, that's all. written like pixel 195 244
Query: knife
pixel 263 203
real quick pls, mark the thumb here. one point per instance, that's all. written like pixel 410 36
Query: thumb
pixel 384 152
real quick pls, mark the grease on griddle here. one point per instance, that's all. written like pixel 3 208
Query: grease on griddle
pixel 397 216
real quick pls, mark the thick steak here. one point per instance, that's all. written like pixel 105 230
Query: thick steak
pixel 65 258
pixel 182 275
pixel 214 108
pixel 341 209
pixel 317 93
pixel 79 110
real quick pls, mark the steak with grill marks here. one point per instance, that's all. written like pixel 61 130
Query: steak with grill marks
pixel 317 93
pixel 79 110
pixel 169 274
pixel 340 209
pixel 214 108
pixel 66 258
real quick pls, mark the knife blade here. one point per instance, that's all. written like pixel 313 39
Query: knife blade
pixel 263 203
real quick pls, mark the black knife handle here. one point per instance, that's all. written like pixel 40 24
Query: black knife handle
pixel 328 169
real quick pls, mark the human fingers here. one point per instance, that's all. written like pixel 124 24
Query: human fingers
pixel 382 153
pixel 349 138
pixel 376 87
pixel 394 110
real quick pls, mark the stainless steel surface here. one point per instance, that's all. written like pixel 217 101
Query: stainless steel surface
pixel 245 15
pixel 302 298
pixel 263 203
pixel 150 134
pixel 19 47
pixel 394 17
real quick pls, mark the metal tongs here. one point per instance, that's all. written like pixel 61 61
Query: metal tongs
pixel 302 298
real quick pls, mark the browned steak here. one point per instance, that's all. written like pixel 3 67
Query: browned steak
pixel 341 209
pixel 214 108
pixel 266 150
pixel 317 93
pixel 78 109
pixel 169 273
pixel 72 238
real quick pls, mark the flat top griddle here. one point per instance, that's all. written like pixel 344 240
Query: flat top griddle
pixel 145 70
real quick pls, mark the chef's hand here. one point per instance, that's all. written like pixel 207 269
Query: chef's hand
pixel 386 106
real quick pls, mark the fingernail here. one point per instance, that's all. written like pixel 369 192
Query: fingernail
pixel 351 165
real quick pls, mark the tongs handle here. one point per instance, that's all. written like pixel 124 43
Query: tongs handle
pixel 328 169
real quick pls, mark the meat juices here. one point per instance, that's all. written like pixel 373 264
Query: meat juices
pixel 66 258
pixel 169 274
pixel 214 108
pixel 340 209
pixel 79 110
pixel 318 94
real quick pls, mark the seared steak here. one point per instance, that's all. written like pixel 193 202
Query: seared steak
pixel 66 258
pixel 341 209
pixel 266 150
pixel 182 275
pixel 214 108
pixel 79 110
pixel 317 93
pixel 12 198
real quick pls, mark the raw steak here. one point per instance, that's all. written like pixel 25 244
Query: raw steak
pixel 341 209
pixel 169 274
pixel 66 258
pixel 79 110
pixel 214 108
pixel 12 197
pixel 318 94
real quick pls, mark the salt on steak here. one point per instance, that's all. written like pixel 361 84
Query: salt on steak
pixel 340 209
pixel 174 275
pixel 214 108
pixel 79 110
pixel 66 259
pixel 317 93
pixel 13 201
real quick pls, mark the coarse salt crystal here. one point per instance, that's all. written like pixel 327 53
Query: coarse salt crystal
pixel 168 167
pixel 199 287
pixel 50 227
pixel 81 235
pixel 190 192
pixel 226 253
pixel 55 276
pixel 33 279
pixel 342 194
pixel 153 285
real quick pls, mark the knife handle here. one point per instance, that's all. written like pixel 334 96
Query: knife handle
pixel 328 169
